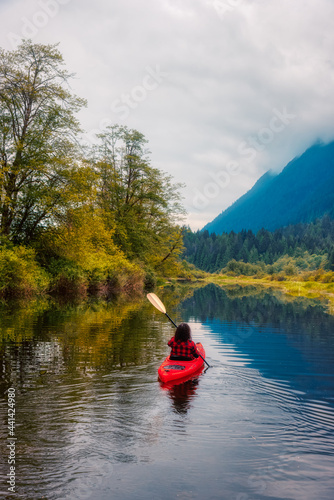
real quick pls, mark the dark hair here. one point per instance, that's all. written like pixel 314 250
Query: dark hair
pixel 183 332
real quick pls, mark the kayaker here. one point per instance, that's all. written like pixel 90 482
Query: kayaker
pixel 183 348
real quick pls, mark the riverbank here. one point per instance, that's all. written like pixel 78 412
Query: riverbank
pixel 292 287
pixel 246 285
pixel 21 275
pixel 24 273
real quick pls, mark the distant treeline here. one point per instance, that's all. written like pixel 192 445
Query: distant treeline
pixel 212 252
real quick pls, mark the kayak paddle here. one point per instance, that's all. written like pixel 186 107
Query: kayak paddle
pixel 156 302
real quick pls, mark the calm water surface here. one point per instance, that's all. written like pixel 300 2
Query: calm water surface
pixel 93 422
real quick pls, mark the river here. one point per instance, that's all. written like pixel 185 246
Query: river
pixel 92 421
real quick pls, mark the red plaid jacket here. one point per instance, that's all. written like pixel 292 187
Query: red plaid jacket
pixel 185 349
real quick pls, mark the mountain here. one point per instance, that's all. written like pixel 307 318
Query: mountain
pixel 303 191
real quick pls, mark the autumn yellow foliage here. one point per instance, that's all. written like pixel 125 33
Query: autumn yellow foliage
pixel 82 255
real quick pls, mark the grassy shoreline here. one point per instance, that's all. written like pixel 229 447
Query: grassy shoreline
pixel 292 287
pixel 313 286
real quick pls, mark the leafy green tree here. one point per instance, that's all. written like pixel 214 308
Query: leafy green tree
pixel 141 203
pixel 39 171
pixel 82 253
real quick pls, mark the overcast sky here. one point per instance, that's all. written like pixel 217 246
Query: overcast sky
pixel 223 90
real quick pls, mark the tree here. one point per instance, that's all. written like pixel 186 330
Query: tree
pixel 331 259
pixel 39 171
pixel 140 202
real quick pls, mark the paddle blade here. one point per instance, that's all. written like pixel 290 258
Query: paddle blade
pixel 156 302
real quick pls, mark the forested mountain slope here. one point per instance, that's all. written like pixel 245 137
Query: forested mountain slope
pixel 211 252
pixel 302 192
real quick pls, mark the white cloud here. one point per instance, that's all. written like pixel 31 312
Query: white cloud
pixel 226 67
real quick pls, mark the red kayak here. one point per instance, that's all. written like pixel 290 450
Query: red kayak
pixel 173 370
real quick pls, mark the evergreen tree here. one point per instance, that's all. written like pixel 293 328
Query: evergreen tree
pixel 315 238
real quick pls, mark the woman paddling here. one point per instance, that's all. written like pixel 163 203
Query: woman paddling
pixel 183 348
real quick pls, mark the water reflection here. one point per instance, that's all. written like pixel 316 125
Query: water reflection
pixel 182 394
pixel 289 342
pixel 253 305
pixel 93 421
pixel 44 340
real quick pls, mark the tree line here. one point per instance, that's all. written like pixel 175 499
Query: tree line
pixel 72 215
pixel 101 218
pixel 212 252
